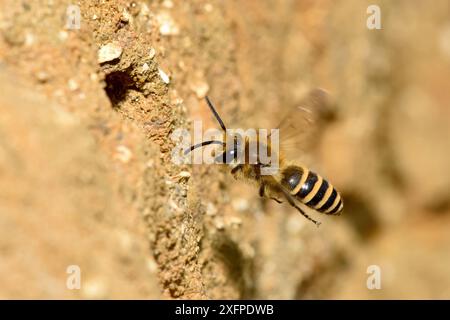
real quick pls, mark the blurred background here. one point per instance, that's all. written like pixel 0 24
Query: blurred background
pixel 90 95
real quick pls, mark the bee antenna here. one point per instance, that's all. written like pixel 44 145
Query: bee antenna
pixel 202 144
pixel 213 110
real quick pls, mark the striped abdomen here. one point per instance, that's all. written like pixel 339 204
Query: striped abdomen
pixel 312 190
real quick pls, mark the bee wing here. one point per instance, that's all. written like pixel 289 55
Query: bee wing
pixel 299 125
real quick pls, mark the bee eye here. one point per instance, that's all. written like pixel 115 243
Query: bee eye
pixel 230 156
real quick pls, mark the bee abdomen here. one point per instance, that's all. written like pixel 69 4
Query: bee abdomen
pixel 312 190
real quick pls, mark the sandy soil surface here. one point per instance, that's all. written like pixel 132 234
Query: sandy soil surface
pixel 86 176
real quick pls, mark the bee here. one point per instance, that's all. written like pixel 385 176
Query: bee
pixel 293 182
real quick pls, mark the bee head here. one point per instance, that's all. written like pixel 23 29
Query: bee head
pixel 233 151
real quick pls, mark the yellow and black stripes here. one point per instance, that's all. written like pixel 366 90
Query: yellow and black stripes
pixel 312 190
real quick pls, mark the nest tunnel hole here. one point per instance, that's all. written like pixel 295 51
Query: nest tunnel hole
pixel 117 85
pixel 240 270
pixel 322 282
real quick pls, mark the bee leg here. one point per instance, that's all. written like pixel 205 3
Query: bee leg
pixel 291 201
pixel 235 169
pixel 279 201
pixel 262 189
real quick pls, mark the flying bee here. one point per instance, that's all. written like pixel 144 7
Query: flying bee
pixel 293 182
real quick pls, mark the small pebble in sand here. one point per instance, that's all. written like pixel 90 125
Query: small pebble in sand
pixel 219 224
pixel 145 68
pixel 151 53
pixel 123 154
pixel 126 16
pixel 109 52
pixel 167 26
pixel 42 76
pixel 164 77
